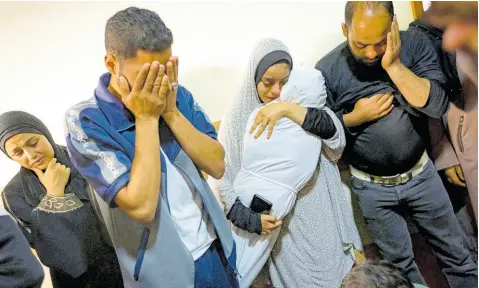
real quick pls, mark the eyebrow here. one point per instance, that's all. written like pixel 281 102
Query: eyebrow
pixel 269 78
pixel 365 44
pixel 14 150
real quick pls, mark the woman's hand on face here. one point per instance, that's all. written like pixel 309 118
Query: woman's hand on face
pixel 267 117
pixel 269 223
pixel 55 177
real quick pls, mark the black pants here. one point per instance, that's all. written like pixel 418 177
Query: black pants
pixel 104 273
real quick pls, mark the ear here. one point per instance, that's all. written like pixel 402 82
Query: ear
pixel 345 30
pixel 111 64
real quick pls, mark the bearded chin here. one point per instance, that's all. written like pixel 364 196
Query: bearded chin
pixel 373 64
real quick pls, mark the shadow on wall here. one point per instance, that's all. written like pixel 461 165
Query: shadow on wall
pixel 212 87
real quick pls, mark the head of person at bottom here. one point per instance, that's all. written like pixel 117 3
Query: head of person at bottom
pixel 272 73
pixel 135 37
pixel 376 275
pixel 366 28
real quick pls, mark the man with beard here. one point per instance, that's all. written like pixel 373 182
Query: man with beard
pixel 384 84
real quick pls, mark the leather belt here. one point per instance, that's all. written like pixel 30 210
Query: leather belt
pixel 395 180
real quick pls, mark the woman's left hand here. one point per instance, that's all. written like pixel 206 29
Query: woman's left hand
pixel 267 117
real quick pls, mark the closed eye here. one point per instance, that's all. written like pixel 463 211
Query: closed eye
pixel 284 81
pixel 32 142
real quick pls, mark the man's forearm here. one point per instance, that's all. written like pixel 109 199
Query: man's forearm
pixel 414 89
pixel 142 192
pixel 206 153
pixel 351 120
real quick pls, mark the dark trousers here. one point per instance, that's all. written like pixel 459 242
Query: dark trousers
pixel 104 273
pixel 425 200
pixel 213 271
pixel 461 203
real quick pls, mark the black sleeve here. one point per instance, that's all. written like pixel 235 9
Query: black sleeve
pixel 330 100
pixel 426 65
pixel 15 204
pixel 54 226
pixel 45 212
pixel 244 218
pixel 18 265
pixel 319 123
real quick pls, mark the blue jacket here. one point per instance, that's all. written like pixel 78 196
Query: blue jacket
pixel 100 136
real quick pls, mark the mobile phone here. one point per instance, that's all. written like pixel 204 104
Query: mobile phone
pixel 260 205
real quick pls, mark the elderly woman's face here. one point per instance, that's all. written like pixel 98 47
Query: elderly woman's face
pixel 30 150
pixel 273 80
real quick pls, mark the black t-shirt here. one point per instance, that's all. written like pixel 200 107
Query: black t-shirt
pixel 394 143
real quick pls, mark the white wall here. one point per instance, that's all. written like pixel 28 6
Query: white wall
pixel 426 5
pixel 52 53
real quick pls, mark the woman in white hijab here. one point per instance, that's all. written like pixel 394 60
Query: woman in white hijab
pixel 317 243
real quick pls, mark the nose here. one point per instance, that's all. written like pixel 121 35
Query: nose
pixel 276 90
pixel 32 156
pixel 371 54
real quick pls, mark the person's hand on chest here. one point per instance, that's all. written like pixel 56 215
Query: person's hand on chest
pixel 369 109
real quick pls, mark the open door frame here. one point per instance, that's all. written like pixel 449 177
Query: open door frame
pixel 417 9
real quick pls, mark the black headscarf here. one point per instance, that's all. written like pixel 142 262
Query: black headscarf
pixel 269 60
pixel 16 122
pixel 67 242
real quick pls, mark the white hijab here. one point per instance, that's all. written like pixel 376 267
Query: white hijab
pixel 231 134
pixel 233 123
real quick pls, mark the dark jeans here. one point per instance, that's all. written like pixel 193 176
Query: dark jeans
pixel 104 273
pixel 425 200
pixel 213 271
pixel 461 203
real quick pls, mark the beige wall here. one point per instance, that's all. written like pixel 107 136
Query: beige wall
pixel 52 52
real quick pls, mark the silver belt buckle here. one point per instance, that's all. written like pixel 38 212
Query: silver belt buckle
pixel 390 181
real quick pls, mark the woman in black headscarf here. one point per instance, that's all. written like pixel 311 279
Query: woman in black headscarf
pixel 51 202
pixel 318 242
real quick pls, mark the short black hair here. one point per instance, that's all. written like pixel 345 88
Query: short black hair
pixel 376 275
pixel 132 29
pixel 351 7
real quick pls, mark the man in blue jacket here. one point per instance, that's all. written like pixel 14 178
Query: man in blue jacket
pixel 141 142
